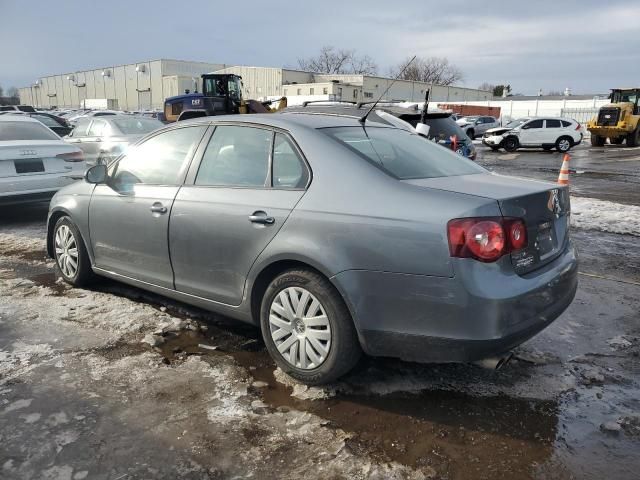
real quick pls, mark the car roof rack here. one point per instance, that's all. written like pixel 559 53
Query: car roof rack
pixel 305 103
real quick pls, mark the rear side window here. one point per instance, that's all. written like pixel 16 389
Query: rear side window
pixel 566 124
pixel 236 157
pixel 551 123
pixel 25 131
pixel 289 170
pixel 80 130
pixel 97 128
pixel 402 154
pixel 161 160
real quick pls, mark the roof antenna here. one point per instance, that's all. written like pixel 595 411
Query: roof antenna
pixel 364 117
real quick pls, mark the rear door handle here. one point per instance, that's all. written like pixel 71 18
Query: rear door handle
pixel 158 208
pixel 261 218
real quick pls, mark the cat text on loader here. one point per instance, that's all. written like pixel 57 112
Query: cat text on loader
pixel 619 120
pixel 221 95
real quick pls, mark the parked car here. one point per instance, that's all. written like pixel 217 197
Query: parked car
pixel 34 161
pixel 18 108
pixel 103 138
pixel 334 236
pixel 442 129
pixel 546 133
pixel 91 113
pixel 475 126
pixel 55 123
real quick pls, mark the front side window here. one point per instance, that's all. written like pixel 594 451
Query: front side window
pixel 402 154
pixel 236 157
pixel 533 124
pixel 552 123
pixel 161 160
pixel 289 170
pixel 25 131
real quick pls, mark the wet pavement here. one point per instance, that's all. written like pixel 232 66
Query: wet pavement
pixel 117 383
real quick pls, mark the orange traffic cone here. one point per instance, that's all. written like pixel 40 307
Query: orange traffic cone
pixel 563 178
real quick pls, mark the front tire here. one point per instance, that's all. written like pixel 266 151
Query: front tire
pixel 564 144
pixel 511 144
pixel 307 327
pixel 597 140
pixel 72 260
pixel 633 139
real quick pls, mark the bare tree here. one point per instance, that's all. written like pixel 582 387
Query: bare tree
pixel 430 70
pixel 487 87
pixel 1 91
pixel 12 92
pixel 338 61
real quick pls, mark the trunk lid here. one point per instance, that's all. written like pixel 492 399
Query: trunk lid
pixel 33 157
pixel 544 207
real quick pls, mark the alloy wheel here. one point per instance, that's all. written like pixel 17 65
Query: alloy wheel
pixel 66 249
pixel 300 328
pixel 564 145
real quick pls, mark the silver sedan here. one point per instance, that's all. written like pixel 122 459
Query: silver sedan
pixel 333 236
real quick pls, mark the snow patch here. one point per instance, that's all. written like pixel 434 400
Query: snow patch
pixel 593 214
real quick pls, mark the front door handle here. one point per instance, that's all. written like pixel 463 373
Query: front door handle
pixel 262 218
pixel 158 208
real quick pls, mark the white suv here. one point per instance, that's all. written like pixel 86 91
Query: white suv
pixel 546 133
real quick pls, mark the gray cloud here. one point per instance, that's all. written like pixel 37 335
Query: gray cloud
pixel 587 45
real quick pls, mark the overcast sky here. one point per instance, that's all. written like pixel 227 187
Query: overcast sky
pixel 587 45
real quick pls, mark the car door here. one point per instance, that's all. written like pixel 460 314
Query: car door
pixel 531 133
pixel 79 133
pixel 129 216
pixel 552 130
pixel 247 183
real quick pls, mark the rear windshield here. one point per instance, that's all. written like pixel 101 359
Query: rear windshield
pixel 402 154
pixel 130 126
pixel 443 128
pixel 25 131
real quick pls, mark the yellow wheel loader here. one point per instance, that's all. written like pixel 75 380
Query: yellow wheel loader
pixel 619 120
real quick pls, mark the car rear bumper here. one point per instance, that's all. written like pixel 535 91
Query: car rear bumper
pixel 438 319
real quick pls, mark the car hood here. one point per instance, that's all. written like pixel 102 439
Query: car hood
pixel 497 131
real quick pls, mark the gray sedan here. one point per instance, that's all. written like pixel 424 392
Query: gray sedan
pixel 332 236
pixel 103 138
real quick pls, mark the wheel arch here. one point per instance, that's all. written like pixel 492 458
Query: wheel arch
pixel 274 268
pixel 51 221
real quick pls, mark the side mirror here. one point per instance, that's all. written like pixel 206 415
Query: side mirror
pixel 96 174
pixel 423 129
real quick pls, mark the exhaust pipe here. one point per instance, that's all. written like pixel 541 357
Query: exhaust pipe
pixel 494 363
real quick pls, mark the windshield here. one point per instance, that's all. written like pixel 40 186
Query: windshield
pixel 516 123
pixel 401 154
pixel 137 125
pixel 625 96
pixel 25 131
pixel 469 119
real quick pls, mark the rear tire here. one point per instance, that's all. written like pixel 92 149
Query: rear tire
pixel 633 139
pixel 307 327
pixel 511 144
pixel 564 144
pixel 597 140
pixel 72 260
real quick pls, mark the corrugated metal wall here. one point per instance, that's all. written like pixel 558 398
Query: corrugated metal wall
pixel 134 86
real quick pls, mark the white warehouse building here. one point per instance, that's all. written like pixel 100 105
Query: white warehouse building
pixel 136 86
pixel 145 85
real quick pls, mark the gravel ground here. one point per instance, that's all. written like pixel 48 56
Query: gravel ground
pixel 117 383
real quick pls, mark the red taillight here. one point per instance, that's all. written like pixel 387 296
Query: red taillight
pixel 485 239
pixel 578 127
pixel 71 156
